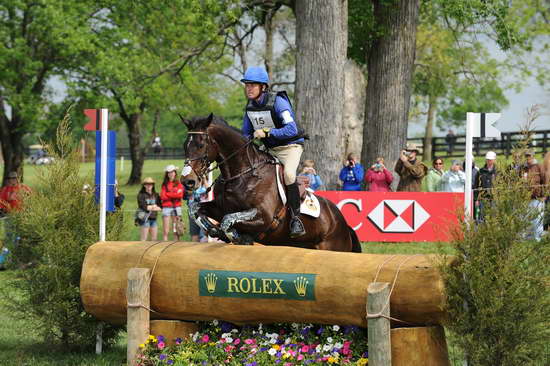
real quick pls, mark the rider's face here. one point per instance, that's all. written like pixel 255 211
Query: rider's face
pixel 253 90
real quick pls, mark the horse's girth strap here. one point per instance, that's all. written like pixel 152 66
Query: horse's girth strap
pixel 274 224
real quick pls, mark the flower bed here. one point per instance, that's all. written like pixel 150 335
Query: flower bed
pixel 221 343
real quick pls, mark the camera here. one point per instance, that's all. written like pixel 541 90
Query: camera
pixel 407 153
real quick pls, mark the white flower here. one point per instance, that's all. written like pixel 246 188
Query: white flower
pixel 215 322
pixel 318 348
pixel 327 347
pixel 225 335
pixel 260 326
pixel 336 328
pixel 234 331
pixel 338 345
pixel 272 341
pixel 272 351
pixel 335 354
pixel 287 341
pixel 195 336
pixel 329 340
pixel 228 340
pixel 294 325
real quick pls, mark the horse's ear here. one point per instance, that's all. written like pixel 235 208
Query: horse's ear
pixel 186 122
pixel 204 123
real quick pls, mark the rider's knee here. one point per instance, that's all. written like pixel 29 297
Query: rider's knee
pixel 290 177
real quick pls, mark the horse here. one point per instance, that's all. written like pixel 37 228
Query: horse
pixel 247 205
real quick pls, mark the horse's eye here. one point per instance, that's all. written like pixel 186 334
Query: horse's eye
pixel 200 146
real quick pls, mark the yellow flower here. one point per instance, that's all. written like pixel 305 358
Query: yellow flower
pixel 151 336
pixel 142 346
pixel 362 361
pixel 332 359
pixel 276 347
pixel 286 355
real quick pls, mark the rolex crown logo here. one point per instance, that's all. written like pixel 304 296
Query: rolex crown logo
pixel 300 283
pixel 210 280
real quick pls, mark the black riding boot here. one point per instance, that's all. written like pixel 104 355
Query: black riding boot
pixel 296 226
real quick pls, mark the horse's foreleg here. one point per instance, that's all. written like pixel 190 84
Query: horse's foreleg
pixel 201 212
pixel 244 218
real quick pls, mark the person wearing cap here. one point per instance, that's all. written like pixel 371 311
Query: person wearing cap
pixel 171 194
pixel 533 175
pixel 411 171
pixel 269 117
pixel 149 202
pixel 484 183
pixel 454 179
pixel 10 194
pixel 433 177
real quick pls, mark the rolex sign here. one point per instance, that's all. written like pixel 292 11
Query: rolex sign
pixel 257 285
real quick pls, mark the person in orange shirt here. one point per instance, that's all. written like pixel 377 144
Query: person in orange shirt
pixel 171 194
pixel 10 194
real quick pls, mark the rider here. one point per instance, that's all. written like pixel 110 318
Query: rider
pixel 269 116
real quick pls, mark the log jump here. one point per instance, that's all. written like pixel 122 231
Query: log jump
pixel 249 284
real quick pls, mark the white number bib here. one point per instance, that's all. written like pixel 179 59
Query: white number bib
pixel 261 119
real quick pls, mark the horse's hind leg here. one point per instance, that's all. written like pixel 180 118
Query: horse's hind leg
pixel 231 219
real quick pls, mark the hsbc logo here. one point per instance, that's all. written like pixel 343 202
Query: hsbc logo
pixel 398 216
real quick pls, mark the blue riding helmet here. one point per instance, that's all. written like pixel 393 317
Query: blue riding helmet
pixel 255 74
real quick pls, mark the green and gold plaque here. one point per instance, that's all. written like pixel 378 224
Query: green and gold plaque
pixel 257 285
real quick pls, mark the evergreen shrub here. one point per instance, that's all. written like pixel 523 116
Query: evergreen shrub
pixel 56 225
pixel 497 289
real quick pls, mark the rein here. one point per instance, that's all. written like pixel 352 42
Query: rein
pixel 207 163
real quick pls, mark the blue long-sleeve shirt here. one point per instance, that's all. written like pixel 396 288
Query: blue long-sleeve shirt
pixel 352 177
pixel 314 181
pixel 287 131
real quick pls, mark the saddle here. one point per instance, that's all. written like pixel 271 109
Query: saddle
pixel 309 203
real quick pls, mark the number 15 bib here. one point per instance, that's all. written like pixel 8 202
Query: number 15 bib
pixel 260 119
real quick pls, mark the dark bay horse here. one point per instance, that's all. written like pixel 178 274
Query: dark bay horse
pixel 246 202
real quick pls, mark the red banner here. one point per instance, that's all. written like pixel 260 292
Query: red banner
pixel 399 216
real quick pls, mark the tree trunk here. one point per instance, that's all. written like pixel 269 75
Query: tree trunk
pixel 427 155
pixel 390 67
pixel 12 146
pixel 321 42
pixel 137 153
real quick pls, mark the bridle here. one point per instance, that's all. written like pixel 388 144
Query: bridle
pixel 206 162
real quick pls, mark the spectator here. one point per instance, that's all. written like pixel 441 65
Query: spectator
pixel 11 196
pixel 454 179
pixel 484 183
pixel 171 194
pixel 119 197
pixel 11 193
pixel 450 139
pixel 149 202
pixel 378 177
pixel 475 171
pixel 156 145
pixel 308 171
pixel 410 170
pixel 352 174
pixel 433 178
pixel 533 174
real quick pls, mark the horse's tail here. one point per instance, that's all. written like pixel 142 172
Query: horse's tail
pixel 355 243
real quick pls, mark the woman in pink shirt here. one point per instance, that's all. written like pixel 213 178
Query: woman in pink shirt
pixel 378 177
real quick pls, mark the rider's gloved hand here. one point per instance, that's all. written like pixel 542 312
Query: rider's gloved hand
pixel 260 134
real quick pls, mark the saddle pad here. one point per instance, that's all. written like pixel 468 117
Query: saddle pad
pixel 310 205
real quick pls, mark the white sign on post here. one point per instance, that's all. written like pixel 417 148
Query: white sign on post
pixel 477 125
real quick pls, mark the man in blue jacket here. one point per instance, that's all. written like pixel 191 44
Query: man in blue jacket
pixel 269 117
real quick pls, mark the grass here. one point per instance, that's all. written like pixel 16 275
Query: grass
pixel 19 343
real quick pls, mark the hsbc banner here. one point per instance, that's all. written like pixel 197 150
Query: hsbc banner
pixel 399 216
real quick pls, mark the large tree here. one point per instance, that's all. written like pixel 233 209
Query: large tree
pixel 155 55
pixel 40 39
pixel 321 42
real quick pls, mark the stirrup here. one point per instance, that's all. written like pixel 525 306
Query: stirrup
pixel 296 227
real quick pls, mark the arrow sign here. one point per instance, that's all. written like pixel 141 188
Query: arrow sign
pixel 484 124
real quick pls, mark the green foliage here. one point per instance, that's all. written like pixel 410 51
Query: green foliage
pixel 497 295
pixel 56 225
